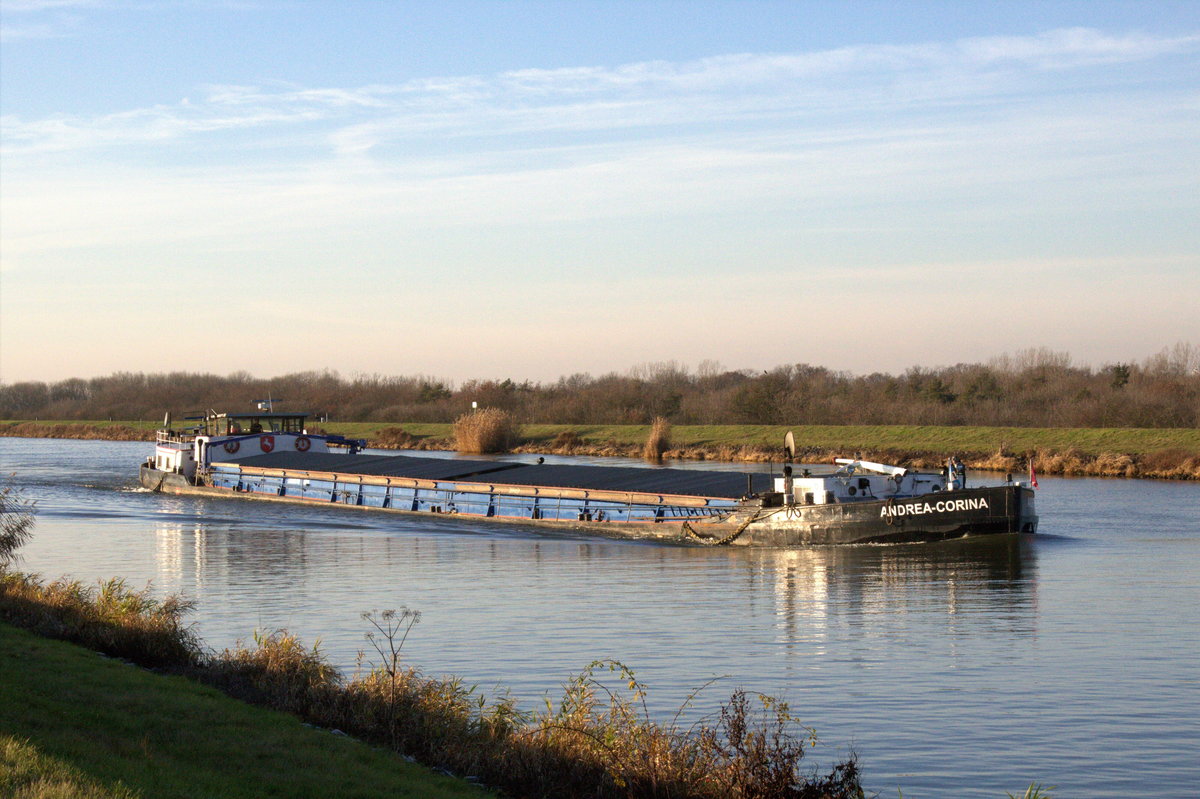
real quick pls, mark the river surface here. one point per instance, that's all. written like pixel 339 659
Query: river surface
pixel 961 669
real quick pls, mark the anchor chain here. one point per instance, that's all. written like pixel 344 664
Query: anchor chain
pixel 721 542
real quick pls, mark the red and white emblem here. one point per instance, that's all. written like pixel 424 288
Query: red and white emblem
pixel 267 443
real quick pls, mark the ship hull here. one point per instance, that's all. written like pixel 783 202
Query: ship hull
pixel 932 517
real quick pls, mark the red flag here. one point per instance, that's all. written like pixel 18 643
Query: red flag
pixel 1032 475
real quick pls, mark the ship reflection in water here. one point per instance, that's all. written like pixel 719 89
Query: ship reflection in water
pixel 839 588
pixel 494 591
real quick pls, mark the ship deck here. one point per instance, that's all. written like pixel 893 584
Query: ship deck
pixel 649 480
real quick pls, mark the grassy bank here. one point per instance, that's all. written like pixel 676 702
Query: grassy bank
pixel 113 728
pixel 1115 452
pixel 74 723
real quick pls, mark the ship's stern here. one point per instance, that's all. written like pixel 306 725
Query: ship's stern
pixel 1026 518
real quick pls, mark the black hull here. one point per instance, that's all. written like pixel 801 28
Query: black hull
pixel 934 517
pixel 169 482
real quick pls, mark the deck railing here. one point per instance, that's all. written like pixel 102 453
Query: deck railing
pixel 172 438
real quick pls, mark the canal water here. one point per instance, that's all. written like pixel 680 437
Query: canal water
pixel 961 669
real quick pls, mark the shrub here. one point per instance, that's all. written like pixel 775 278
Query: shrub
pixel 566 442
pixel 485 430
pixel 393 438
pixel 16 523
pixel 658 441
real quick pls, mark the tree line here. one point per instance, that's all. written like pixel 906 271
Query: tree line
pixel 1032 388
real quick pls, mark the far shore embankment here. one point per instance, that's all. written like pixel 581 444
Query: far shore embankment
pixel 1166 453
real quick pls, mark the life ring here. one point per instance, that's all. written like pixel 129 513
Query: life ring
pixel 267 443
pixel 303 443
pixel 232 446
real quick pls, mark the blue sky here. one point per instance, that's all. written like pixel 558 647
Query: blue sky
pixel 529 190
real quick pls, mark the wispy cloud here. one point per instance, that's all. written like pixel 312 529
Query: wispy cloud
pixel 723 90
pixel 42 19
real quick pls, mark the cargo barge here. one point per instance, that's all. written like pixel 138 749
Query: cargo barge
pixel 272 456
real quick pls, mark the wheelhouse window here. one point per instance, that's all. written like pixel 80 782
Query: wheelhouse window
pixel 248 424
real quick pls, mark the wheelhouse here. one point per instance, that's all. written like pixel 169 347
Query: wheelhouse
pixel 237 424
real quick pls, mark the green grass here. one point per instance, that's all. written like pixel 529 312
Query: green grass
pixel 71 716
pixel 906 438
pixel 149 426
pixel 1092 441
pixel 27 773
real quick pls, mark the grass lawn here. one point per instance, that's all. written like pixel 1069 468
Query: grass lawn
pixel 74 723
pixel 899 438
pixel 1091 441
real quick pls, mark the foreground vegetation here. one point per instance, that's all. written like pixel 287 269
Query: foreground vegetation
pixel 138 734
pixel 1034 388
pixel 1111 452
pixel 78 724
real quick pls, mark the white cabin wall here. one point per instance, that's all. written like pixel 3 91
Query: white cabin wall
pixel 247 446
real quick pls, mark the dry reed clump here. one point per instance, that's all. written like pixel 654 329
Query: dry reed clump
pixel 1176 464
pixel 393 438
pixel 485 430
pixel 658 441
pixel 279 671
pixel 1002 460
pixel 566 442
pixel 1069 461
pixel 108 617
pixel 1112 464
pixel 754 749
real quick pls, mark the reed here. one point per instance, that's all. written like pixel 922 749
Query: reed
pixel 485 430
pixel 659 440
pixel 108 617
